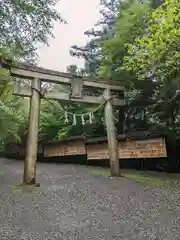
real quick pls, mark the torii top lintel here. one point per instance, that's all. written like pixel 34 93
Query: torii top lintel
pixel 28 71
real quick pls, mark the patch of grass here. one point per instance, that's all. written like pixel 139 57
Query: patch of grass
pixel 145 179
pixel 23 188
pixel 139 177
pixel 102 172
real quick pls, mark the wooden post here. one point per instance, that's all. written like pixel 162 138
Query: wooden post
pixel 111 135
pixel 32 138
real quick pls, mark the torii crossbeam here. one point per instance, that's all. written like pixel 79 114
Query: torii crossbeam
pixel 78 84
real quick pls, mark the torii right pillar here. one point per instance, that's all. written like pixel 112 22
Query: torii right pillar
pixel 111 135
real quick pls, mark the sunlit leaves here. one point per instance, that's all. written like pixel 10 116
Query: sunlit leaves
pixel 155 56
pixel 130 23
pixel 157 52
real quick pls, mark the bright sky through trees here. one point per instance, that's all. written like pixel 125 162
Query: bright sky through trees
pixel 80 15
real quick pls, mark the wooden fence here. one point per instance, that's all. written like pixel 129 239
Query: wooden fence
pixel 97 148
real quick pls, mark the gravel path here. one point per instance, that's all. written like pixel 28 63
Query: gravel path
pixel 74 205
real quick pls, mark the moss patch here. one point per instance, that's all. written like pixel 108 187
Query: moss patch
pixel 145 179
pixel 101 172
pixel 23 188
pixel 140 177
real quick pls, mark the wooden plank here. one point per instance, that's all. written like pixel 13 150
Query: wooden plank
pixel 128 149
pixel 86 99
pixel 65 149
pixel 65 97
pixel 103 85
pixel 45 77
pixel 26 92
pixel 61 78
pixel 97 151
pixel 147 148
pixel 31 68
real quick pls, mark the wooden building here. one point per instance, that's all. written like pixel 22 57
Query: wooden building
pixel 72 146
pixel 135 151
pixel 141 150
pixel 129 147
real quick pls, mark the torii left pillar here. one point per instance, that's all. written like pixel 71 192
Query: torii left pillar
pixel 29 177
pixel 111 135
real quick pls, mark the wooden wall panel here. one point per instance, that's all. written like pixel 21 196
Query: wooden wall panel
pixel 65 149
pixel 97 151
pixel 146 148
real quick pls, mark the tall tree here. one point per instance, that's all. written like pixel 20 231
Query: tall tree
pixel 25 25
pixel 104 29
pixel 156 55
pixel 130 23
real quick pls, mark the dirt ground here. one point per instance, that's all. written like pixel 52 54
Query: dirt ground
pixel 74 204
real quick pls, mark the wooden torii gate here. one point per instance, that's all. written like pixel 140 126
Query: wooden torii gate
pixel 78 94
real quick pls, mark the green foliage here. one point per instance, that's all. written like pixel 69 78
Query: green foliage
pixel 25 25
pixel 51 120
pixel 53 127
pixel 5 84
pixel 157 52
pixel 130 23
pixel 13 121
pixel 133 42
pixel 145 178
pixel 154 56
